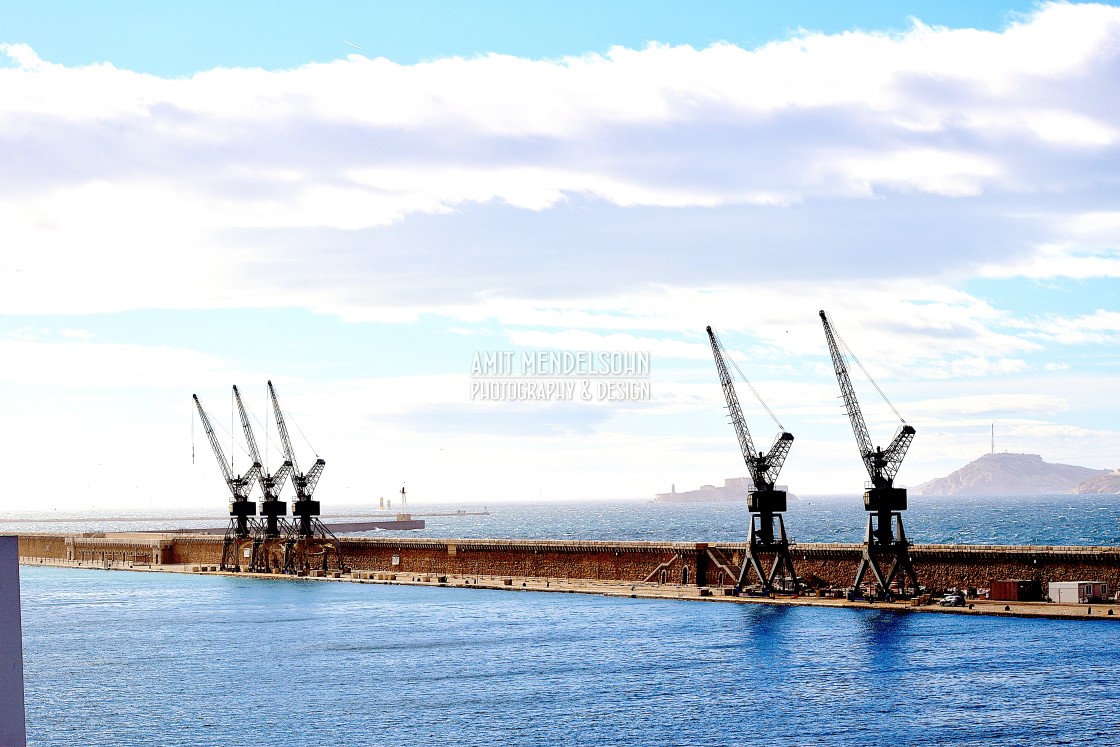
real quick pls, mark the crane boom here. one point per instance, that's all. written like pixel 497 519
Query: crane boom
pixel 840 365
pixel 285 441
pixel 763 469
pixel 249 439
pixel 303 483
pixel 271 483
pixel 882 465
pixel 241 485
pixel 734 410
pixel 227 475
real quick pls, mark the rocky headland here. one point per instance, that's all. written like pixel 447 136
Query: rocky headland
pixel 1020 473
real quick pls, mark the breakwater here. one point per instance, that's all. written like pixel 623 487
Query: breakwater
pixel 686 563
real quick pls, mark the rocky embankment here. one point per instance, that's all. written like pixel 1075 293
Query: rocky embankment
pixel 1020 473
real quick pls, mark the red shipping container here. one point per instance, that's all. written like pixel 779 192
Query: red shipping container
pixel 1015 590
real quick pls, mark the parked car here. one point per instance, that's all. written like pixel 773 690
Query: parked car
pixel 952 600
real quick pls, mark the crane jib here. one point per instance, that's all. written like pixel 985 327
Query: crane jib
pixel 763 468
pixel 304 484
pixel 239 485
pixel 882 464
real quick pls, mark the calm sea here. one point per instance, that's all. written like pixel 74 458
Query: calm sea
pixel 118 658
pixel 115 658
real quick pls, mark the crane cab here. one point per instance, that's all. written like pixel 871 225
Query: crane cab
pixel 766 501
pixel 242 509
pixel 884 499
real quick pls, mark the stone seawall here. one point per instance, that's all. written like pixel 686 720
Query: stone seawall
pixel 688 563
pixel 945 566
pixel 136 547
pixel 615 561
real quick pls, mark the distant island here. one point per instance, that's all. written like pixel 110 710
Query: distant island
pixel 733 489
pixel 1020 473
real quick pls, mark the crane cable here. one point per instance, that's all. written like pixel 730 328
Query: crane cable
pixel 865 373
pixel 745 381
pixel 292 420
pixel 305 439
pixel 217 424
pixel 267 436
pixel 233 427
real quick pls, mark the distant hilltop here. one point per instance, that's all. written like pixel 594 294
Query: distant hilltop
pixel 733 489
pixel 1020 473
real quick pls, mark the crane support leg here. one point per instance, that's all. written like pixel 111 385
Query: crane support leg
pixel 885 539
pixel 267 554
pixel 233 547
pixel 310 546
pixel 763 540
pixel 256 558
pixel 271 531
pixel 241 526
pixel 229 548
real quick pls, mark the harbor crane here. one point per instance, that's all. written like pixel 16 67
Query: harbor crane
pixel 305 509
pixel 767 533
pixel 272 508
pixel 885 537
pixel 240 508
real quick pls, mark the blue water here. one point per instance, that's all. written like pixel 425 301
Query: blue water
pixel 987 520
pixel 117 658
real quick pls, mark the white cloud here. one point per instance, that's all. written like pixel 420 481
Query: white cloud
pixel 87 364
pixel 792 151
pixel 940 172
pixel 1072 128
pixel 1059 261
pixel 956 409
pixel 1099 328
pixel 575 339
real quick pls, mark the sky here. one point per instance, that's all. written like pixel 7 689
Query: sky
pixel 371 204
